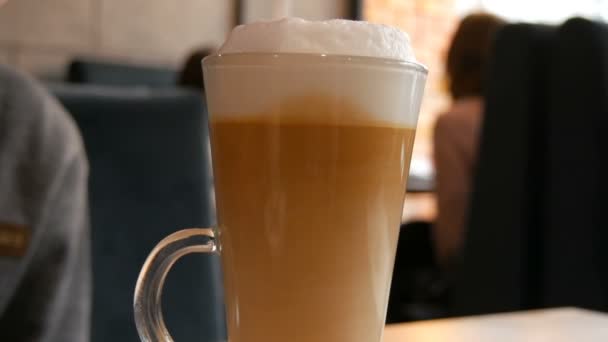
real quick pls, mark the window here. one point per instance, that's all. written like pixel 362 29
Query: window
pixel 544 11
pixel 430 24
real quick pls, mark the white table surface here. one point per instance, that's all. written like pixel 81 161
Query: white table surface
pixel 552 325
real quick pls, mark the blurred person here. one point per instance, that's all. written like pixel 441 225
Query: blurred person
pixel 45 266
pixel 457 130
pixel 191 74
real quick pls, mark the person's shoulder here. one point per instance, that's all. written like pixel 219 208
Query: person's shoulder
pixel 10 75
pixel 463 113
pixel 29 113
pixel 19 90
pixel 17 85
pixel 447 122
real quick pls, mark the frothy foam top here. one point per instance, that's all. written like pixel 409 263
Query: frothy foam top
pixel 332 37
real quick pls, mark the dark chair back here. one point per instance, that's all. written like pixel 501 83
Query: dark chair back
pixel 150 175
pixel 110 73
pixel 498 269
pixel 537 226
pixel 575 257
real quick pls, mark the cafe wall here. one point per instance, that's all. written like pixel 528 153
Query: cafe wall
pixel 309 9
pixel 42 36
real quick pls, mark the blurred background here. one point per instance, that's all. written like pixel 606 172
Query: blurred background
pixel 44 37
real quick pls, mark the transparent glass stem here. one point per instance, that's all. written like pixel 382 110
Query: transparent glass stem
pixel 147 300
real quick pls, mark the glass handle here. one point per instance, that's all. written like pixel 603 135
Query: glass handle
pixel 147 300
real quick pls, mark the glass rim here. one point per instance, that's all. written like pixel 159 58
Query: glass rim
pixel 285 58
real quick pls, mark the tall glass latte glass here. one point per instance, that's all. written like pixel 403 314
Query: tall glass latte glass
pixel 311 156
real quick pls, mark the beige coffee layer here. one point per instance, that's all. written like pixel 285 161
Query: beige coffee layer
pixel 309 216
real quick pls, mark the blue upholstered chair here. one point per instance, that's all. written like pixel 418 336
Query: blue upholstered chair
pixel 90 71
pixel 150 175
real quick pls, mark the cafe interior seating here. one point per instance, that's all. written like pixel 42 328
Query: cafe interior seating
pixel 541 243
pixel 576 257
pixel 150 175
pixel 503 223
pixel 536 232
pixel 83 70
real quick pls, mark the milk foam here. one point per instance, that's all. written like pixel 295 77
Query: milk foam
pixel 332 37
pixel 242 85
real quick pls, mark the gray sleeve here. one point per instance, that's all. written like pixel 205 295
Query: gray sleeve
pixel 45 171
pixel 53 303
